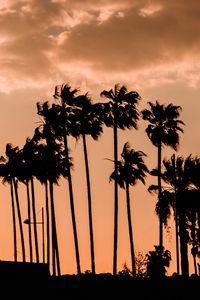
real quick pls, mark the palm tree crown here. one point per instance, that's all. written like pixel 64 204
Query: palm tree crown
pixel 122 106
pixel 131 168
pixel 164 124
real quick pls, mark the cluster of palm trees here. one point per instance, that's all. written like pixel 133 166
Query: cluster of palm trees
pixel 46 157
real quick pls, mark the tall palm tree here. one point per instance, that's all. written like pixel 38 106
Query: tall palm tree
pixel 130 169
pixel 45 132
pixel 66 96
pixel 28 221
pixel 41 167
pixel 41 162
pixel 120 112
pixel 6 178
pixel 87 122
pixel 163 130
pixel 79 117
pixel 28 157
pixel 13 165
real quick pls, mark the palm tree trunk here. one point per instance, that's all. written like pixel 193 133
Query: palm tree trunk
pixel 71 197
pixel 55 251
pixel 198 224
pixel 115 200
pixel 195 264
pixel 14 221
pixel 89 205
pixel 34 220
pixel 198 220
pixel 130 230
pixel 159 197
pixel 20 220
pixel 29 218
pixel 176 215
pixel 47 223
pixel 183 244
pixel 177 239
pixel 193 235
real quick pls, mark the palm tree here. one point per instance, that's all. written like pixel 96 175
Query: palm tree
pixel 87 122
pixel 41 172
pixel 177 174
pixel 163 130
pixel 157 261
pixel 194 207
pixel 45 132
pixel 130 169
pixel 6 178
pixel 28 157
pixel 13 165
pixel 192 220
pixel 120 112
pixel 66 96
pixel 168 197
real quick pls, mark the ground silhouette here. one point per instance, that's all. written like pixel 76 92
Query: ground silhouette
pixel 26 280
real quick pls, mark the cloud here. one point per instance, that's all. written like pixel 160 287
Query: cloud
pixel 42 40
pixel 135 40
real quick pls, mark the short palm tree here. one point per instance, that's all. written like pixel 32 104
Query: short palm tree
pixel 120 112
pixel 157 261
pixel 176 174
pixel 195 180
pixel 167 201
pixel 163 130
pixel 194 207
pixel 130 169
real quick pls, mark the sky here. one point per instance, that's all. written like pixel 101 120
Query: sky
pixel 150 46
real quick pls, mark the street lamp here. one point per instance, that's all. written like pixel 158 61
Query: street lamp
pixel 27 221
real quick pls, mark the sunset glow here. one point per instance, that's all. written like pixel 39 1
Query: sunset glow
pixel 152 47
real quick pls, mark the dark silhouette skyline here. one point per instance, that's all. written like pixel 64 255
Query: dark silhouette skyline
pixel 45 157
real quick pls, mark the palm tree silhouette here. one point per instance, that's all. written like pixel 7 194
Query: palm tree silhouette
pixel 28 157
pixel 120 112
pixel 45 132
pixel 163 130
pixel 130 169
pixel 6 178
pixel 87 122
pixel 66 96
pixel 176 174
pixel 192 220
pixel 13 168
pixel 194 207
pixel 157 261
pixel 195 173
pixel 168 197
pixel 41 172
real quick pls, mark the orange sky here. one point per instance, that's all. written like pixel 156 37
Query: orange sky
pixel 152 47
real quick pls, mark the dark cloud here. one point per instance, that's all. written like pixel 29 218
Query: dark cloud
pixel 38 39
pixel 135 40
